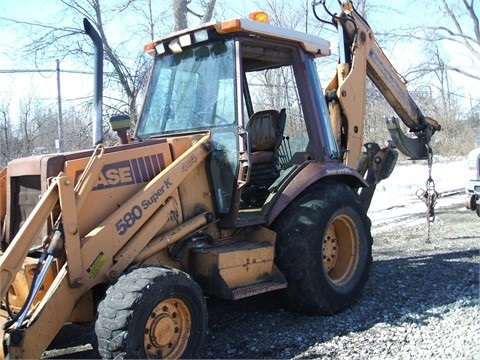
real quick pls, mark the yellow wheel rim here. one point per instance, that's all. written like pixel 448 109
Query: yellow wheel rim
pixel 168 329
pixel 341 250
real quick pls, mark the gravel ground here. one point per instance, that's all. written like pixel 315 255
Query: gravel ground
pixel 422 301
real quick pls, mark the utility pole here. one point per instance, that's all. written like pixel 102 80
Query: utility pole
pixel 60 144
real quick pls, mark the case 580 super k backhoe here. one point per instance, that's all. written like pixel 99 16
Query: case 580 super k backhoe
pixel 242 177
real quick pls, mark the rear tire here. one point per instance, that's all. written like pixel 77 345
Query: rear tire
pixel 324 248
pixel 152 312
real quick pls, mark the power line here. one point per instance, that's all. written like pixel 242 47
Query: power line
pixel 58 71
pixel 14 71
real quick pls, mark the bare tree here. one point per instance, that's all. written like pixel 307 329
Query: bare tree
pixel 464 30
pixel 7 139
pixel 29 126
pixel 130 76
pixel 181 9
pixel 126 67
pixel 458 26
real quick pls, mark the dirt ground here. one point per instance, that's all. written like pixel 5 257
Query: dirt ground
pixel 454 230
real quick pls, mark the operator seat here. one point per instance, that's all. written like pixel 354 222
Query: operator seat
pixel 265 131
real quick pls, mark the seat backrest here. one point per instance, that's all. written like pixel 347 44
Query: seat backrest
pixel 263 131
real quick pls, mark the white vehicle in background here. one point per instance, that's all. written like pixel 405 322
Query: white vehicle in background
pixel 472 187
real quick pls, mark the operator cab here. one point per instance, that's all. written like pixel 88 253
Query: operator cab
pixel 224 79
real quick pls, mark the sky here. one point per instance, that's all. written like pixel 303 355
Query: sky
pixel 18 86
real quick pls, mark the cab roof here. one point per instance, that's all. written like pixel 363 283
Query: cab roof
pixel 315 45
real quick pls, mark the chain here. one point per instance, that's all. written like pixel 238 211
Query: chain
pixel 429 195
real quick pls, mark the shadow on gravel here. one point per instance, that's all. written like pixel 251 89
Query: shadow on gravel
pixel 406 289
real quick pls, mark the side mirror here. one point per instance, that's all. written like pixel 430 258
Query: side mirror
pixel 120 124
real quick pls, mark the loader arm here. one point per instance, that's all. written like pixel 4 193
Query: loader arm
pixel 362 57
pixel 102 254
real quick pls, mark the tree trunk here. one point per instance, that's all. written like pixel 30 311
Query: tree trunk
pixel 180 10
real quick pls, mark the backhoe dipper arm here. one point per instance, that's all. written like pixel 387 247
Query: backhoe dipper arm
pixel 361 56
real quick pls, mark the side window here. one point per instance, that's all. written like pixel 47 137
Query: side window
pixel 276 89
pixel 277 134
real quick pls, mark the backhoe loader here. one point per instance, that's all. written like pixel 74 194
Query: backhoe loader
pixel 242 176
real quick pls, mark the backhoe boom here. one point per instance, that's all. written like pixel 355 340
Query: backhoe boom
pixel 362 57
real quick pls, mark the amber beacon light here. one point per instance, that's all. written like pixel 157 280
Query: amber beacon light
pixel 260 16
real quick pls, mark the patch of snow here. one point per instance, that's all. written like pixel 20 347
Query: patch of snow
pixel 396 198
pixel 404 182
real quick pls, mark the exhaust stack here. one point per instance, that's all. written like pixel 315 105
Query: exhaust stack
pixel 98 76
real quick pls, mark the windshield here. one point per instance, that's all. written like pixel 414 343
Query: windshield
pixel 190 90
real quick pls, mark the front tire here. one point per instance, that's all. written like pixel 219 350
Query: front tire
pixel 324 248
pixel 154 313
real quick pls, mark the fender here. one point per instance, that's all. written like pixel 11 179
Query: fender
pixel 306 175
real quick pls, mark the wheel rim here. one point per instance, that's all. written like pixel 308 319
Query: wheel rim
pixel 341 250
pixel 168 329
